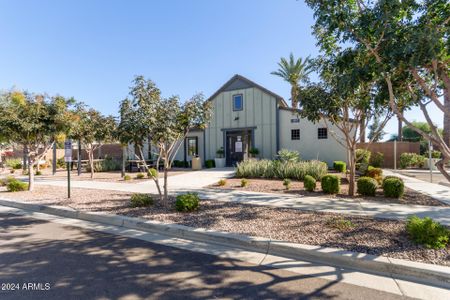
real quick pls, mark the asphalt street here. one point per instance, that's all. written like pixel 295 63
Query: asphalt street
pixel 46 260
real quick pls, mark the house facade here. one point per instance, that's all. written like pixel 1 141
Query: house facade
pixel 247 116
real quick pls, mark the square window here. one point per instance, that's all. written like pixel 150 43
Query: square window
pixel 238 102
pixel 322 133
pixel 295 134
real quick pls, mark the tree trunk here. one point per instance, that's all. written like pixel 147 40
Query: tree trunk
pixel 294 100
pixel 166 169
pixel 446 118
pixel 352 168
pixel 91 161
pixel 362 129
pixel 400 130
pixel 30 173
pixel 124 152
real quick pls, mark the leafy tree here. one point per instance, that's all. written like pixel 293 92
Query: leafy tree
pixel 34 121
pixel 294 72
pixel 376 133
pixel 92 129
pixel 407 39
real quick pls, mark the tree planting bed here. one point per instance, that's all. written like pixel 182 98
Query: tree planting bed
pixel 354 233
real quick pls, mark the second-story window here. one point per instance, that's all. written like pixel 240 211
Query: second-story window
pixel 238 102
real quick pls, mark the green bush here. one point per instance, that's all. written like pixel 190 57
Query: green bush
pixel 309 183
pixel 222 182
pixel 60 163
pixel 331 184
pixel 427 232
pixel 140 176
pixel 127 177
pixel 340 166
pixel 141 200
pixel 374 172
pixel 287 183
pixel 377 159
pixel 288 155
pixel 363 156
pixel 275 169
pixel 340 223
pixel 106 165
pixel 187 202
pixel 244 182
pixel 393 187
pixel 38 173
pixel 210 163
pixel 4 181
pixel 14 163
pixel 15 185
pixel 391 176
pixel 366 186
pixel 434 154
pixel 152 173
pixel 410 160
pixel 253 152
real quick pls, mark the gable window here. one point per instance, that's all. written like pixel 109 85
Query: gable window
pixel 295 120
pixel 322 133
pixel 295 134
pixel 238 102
pixel 192 146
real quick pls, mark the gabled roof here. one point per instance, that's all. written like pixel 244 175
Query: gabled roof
pixel 240 82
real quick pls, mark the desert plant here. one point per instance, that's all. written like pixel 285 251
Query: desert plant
pixel 288 155
pixel 393 187
pixel 14 163
pixel 210 163
pixel 331 184
pixel 377 159
pixel 340 223
pixel 222 182
pixel 309 183
pixel 187 202
pixel 152 173
pixel 339 166
pixel 374 172
pixel 60 163
pixel 15 185
pixel 4 181
pixel 244 182
pixel 408 160
pixel 38 173
pixel 141 200
pixel 287 183
pixel 127 177
pixel 140 176
pixel 427 232
pixel 105 165
pixel 366 186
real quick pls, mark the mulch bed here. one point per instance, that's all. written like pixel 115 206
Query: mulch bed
pixel 410 197
pixel 354 233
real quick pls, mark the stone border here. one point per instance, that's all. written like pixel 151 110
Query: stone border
pixel 419 272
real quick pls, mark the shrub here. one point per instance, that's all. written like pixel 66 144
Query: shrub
pixel 210 163
pixel 140 176
pixel 340 223
pixel 362 156
pixel 340 166
pixel 152 173
pixel 127 177
pixel 105 165
pixel 60 163
pixel 391 176
pixel 309 183
pixel 434 154
pixel 14 163
pixel 377 159
pixel 187 202
pixel 393 187
pixel 374 172
pixel 244 182
pixel 287 183
pixel 141 200
pixel 409 160
pixel 4 181
pixel 253 152
pixel 220 152
pixel 288 155
pixel 427 232
pixel 38 173
pixel 331 184
pixel 222 182
pixel 281 169
pixel 15 185
pixel 366 186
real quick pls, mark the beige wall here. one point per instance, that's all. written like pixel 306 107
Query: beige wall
pixel 309 146
pixel 259 111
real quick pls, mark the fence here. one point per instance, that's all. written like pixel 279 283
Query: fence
pixel 387 148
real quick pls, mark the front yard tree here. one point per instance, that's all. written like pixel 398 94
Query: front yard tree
pixel 92 129
pixel 35 122
pixel 408 39
pixel 294 71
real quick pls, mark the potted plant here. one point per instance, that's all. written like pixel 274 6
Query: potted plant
pixel 220 159
pixel 253 152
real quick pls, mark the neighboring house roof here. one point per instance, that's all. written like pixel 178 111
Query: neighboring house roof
pixel 240 82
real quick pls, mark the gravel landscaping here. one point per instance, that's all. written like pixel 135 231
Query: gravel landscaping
pixel 276 186
pixel 360 234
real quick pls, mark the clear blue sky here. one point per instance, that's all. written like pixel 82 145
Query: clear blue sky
pixel 91 50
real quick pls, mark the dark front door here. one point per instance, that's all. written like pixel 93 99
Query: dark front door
pixel 238 143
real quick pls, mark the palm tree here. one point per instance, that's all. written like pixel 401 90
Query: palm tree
pixel 294 72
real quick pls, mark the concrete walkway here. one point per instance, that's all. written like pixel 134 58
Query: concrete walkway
pixel 436 191
pixel 196 182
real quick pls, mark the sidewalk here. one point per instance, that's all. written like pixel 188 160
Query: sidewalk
pixel 434 190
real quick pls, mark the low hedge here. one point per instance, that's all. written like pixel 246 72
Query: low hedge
pixel 309 183
pixel 187 202
pixel 141 200
pixel 210 163
pixel 366 186
pixel 427 232
pixel 331 184
pixel 409 160
pixel 393 187
pixel 340 166
pixel 15 185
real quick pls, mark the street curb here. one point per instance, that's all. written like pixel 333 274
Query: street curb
pixel 420 272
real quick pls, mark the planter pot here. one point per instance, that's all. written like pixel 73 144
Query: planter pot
pixel 220 162
pixel 433 162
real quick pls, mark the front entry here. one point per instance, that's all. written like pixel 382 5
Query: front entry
pixel 237 145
